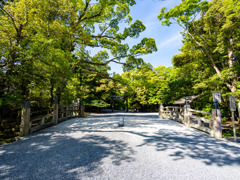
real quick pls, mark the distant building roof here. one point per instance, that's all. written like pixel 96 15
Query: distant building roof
pixel 183 99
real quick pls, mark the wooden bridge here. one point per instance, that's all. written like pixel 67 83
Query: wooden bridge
pixel 204 121
pixel 147 147
pixel 201 120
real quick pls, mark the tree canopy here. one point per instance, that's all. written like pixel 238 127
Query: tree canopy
pixel 45 45
pixel 210 32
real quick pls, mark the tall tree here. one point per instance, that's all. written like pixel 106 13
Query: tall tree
pixel 212 27
pixel 43 42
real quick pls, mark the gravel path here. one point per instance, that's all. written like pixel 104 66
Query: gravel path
pixel 146 148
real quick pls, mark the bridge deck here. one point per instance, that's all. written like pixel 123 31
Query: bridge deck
pixel 96 148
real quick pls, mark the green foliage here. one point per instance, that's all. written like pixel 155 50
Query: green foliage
pixel 97 103
pixel 44 50
pixel 43 43
pixel 211 35
pixel 148 86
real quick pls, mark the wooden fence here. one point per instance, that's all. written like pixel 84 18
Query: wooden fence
pixel 201 120
pixel 31 123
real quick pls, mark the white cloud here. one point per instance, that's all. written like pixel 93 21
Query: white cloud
pixel 173 40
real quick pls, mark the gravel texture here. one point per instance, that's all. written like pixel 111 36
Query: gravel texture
pixel 145 148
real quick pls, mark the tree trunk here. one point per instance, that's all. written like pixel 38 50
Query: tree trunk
pixel 230 54
pixel 51 93
pixel 233 87
pixel 58 93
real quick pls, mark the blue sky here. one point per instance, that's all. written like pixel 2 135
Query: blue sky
pixel 168 39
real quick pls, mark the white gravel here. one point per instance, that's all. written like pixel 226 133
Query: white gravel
pixel 145 148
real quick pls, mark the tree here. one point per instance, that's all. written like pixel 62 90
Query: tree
pixel 43 43
pixel 214 32
pixel 146 87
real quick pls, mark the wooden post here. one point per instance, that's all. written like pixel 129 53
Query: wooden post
pixel 200 123
pixel 217 124
pixel 234 127
pixel 176 114
pixel 55 111
pixel 167 113
pixel 82 109
pixel 161 109
pixel 187 112
pixel 181 115
pixel 25 119
pixel 79 107
pixel 42 121
pixel 233 109
pixel 171 113
pixel 187 115
pixel 216 115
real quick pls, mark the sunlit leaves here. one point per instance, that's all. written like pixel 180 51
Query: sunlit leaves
pixel 183 13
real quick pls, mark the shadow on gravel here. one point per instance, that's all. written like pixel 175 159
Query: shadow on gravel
pixel 60 156
pixel 196 145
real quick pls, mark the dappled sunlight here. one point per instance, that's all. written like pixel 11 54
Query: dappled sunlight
pixel 165 135
pixel 196 145
pixel 5 170
pixel 2 152
pixel 69 154
pixel 95 146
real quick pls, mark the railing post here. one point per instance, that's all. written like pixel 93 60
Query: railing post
pixel 200 123
pixel 181 116
pixel 161 109
pixel 81 109
pixel 187 113
pixel 171 114
pixel 167 113
pixel 25 119
pixel 42 121
pixel 176 114
pixel 217 124
pixel 55 111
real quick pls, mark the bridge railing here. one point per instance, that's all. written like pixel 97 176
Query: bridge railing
pixel 31 123
pixel 201 120
pixel 174 113
pixel 40 122
pixel 67 112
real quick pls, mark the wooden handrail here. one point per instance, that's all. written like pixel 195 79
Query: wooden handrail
pixel 59 113
pixel 197 111
pixel 177 107
pixel 41 117
pixel 202 119
pixel 186 117
pixel 41 120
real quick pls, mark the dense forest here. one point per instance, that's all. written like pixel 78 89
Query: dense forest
pixel 45 53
